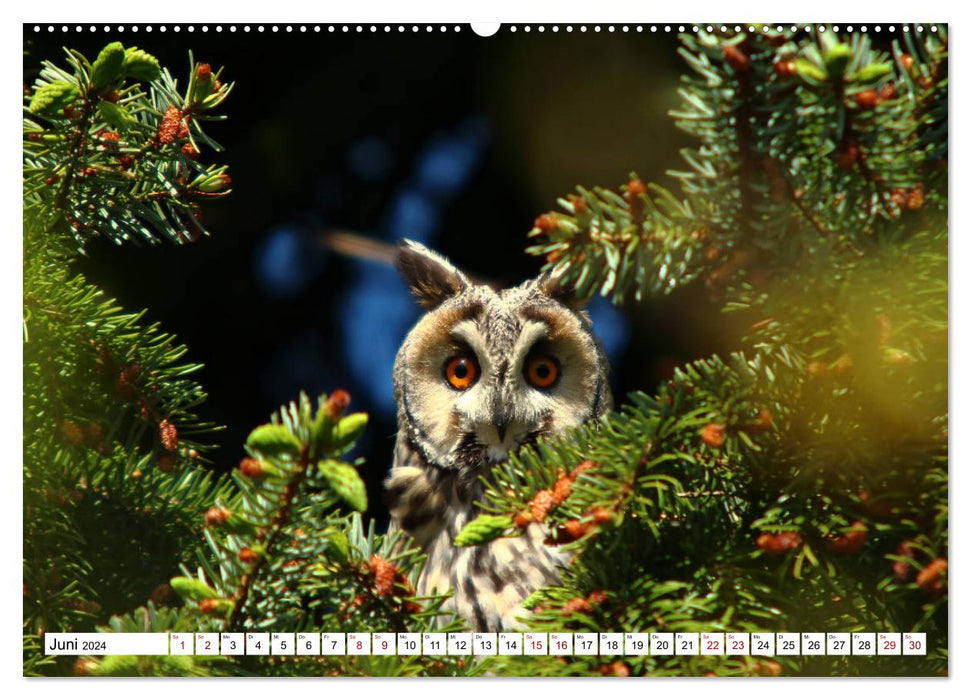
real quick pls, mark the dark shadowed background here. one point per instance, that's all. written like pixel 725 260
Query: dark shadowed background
pixel 448 138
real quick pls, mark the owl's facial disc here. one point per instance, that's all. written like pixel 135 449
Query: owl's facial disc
pixel 487 423
pixel 485 372
pixel 518 391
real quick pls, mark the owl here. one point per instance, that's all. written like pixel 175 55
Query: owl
pixel 482 373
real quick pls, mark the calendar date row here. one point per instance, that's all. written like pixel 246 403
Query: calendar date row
pixel 487 644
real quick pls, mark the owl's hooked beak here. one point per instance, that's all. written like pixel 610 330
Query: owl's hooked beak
pixel 508 429
pixel 500 418
pixel 501 421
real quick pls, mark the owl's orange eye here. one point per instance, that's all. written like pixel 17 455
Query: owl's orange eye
pixel 542 372
pixel 461 372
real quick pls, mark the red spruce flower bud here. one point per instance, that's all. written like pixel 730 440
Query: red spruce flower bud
pixel 171 125
pixel 581 605
pixel 930 577
pixel 384 575
pixel 546 223
pixel 848 154
pixel 161 593
pixel 217 515
pixel 713 435
pixel 736 58
pixel 72 432
pixel 251 467
pixel 853 541
pixel 337 404
pixel 778 542
pixel 785 68
pixel 636 187
pixel 597 598
pixel 168 436
pixel 209 606
pixel 166 463
pixel 541 505
pixel 867 99
pixel 763 422
pixel 522 519
pixel 85 667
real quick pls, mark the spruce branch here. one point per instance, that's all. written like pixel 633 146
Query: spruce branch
pixel 114 449
pixel 124 160
pixel 640 242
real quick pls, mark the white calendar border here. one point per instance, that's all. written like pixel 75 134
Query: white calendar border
pixel 508 11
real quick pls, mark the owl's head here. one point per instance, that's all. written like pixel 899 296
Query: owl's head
pixel 486 371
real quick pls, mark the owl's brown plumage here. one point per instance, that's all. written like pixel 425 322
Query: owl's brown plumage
pixel 482 373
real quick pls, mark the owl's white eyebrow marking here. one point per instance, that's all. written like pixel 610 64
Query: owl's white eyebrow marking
pixel 533 331
pixel 468 332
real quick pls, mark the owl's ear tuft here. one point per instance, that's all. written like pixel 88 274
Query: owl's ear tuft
pixel 552 286
pixel 432 278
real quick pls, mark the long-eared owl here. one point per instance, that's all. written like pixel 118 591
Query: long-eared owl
pixel 482 373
